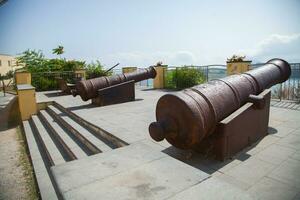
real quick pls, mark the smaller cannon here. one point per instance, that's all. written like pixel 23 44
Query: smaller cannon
pixel 112 89
pixel 224 114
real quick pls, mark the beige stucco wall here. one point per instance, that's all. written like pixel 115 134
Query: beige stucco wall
pixel 159 80
pixel 128 69
pixel 23 77
pixel 80 73
pixel 5 66
pixel 27 101
pixel 238 67
pixel 7 63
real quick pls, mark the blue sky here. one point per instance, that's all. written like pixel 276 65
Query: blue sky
pixel 140 33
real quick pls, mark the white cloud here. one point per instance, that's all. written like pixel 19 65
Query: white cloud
pixel 276 38
pixel 281 46
pixel 276 45
pixel 183 58
pixel 143 59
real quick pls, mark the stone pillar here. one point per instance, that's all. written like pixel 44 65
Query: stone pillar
pixel 80 74
pixel 159 80
pixel 128 69
pixel 27 101
pixel 238 67
pixel 23 77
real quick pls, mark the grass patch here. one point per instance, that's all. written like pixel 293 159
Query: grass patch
pixel 31 186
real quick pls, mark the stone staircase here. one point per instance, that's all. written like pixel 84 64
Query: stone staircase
pixel 56 136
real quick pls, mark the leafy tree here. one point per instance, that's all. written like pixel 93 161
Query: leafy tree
pixel 8 76
pixel 71 65
pixel 96 69
pixel 59 50
pixel 32 60
pixel 36 63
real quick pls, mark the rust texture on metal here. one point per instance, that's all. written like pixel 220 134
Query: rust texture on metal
pixel 185 118
pixel 88 89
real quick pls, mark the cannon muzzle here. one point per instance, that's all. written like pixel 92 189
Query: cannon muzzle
pixel 185 118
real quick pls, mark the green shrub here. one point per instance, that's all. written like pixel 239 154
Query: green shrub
pixel 94 70
pixel 44 83
pixel 35 61
pixel 169 81
pixel 72 65
pixel 184 77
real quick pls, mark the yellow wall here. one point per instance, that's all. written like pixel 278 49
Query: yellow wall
pixel 27 102
pixel 159 80
pixel 80 73
pixel 23 78
pixel 43 105
pixel 128 69
pixel 238 67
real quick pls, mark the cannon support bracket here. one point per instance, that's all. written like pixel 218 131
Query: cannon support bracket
pixel 119 93
pixel 259 101
pixel 242 128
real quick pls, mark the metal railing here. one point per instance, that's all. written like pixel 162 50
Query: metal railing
pixel 44 81
pixel 117 71
pixel 144 83
pixel 289 90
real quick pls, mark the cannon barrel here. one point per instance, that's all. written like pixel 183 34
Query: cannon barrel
pixel 185 118
pixel 87 89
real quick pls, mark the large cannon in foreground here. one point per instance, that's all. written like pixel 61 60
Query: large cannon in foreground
pixel 89 89
pixel 235 107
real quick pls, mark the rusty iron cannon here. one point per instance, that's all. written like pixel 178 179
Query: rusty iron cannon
pixel 224 114
pixel 111 85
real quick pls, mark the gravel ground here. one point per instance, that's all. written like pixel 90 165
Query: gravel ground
pixel 13 181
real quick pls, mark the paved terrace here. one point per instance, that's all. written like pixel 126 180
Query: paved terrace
pixel 269 169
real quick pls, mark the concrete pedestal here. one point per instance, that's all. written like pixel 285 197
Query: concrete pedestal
pixel 27 101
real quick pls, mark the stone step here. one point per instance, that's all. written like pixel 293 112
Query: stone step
pixel 109 139
pixel 42 176
pixel 52 151
pixel 73 149
pixel 136 171
pixel 86 142
pixel 87 134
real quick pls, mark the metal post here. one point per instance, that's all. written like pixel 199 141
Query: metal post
pixel 280 97
pixel 176 78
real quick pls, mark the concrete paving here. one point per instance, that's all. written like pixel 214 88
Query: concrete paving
pixel 269 169
pixel 133 172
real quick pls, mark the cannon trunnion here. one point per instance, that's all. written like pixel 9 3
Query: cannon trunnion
pixel 223 115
